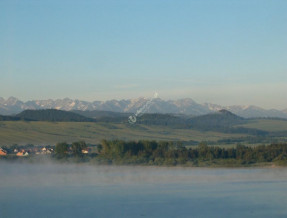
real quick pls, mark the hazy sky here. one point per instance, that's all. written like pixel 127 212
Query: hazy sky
pixel 224 51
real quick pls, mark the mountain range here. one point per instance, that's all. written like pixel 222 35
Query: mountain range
pixel 185 106
pixel 220 121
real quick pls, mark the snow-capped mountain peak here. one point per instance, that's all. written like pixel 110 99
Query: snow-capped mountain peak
pixel 187 106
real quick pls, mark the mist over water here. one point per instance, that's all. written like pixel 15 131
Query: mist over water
pixel 81 190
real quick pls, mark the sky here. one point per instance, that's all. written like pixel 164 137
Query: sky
pixel 228 52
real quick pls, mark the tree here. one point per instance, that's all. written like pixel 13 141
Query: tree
pixel 99 148
pixel 202 149
pixel 77 147
pixel 61 149
pixel 105 146
pixel 240 151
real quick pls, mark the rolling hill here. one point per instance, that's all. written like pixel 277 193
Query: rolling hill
pixel 220 119
pixel 50 126
pixel 52 115
pixel 9 118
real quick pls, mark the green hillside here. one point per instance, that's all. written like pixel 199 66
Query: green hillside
pixel 9 118
pixel 52 115
pixel 101 114
pixel 38 132
pixel 271 125
pixel 219 120
pixel 217 128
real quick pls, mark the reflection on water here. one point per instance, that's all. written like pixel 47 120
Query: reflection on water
pixel 59 190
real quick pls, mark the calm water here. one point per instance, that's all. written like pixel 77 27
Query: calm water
pixel 53 190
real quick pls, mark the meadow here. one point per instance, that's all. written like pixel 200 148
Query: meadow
pixel 271 125
pixel 43 133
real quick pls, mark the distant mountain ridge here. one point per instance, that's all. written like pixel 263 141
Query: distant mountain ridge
pixel 52 115
pixel 220 121
pixel 185 106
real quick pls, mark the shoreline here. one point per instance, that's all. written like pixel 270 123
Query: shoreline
pixel 201 164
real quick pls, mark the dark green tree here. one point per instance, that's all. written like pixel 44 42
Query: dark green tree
pixel 203 149
pixel 99 148
pixel 105 146
pixel 77 147
pixel 61 149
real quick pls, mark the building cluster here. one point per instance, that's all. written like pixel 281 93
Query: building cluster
pixel 22 152
pixel 36 150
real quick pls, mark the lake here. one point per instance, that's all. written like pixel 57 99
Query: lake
pixel 79 190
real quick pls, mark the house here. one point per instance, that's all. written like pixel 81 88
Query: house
pixel 85 151
pixel 22 153
pixel 47 150
pixel 44 149
pixel 3 152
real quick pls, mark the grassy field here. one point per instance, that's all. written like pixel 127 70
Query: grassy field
pixel 267 125
pixel 43 133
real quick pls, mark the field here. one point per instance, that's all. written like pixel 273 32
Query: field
pixel 270 125
pixel 43 133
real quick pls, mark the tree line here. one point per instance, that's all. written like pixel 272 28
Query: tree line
pixel 175 153
pixel 151 152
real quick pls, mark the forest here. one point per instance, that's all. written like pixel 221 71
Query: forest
pixel 174 153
